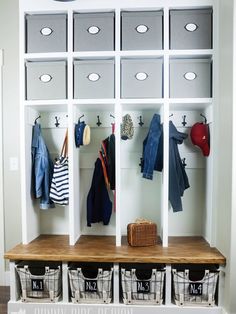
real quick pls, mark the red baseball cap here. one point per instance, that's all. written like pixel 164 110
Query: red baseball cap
pixel 200 137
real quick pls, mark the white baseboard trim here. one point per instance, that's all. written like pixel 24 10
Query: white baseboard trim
pixel 7 278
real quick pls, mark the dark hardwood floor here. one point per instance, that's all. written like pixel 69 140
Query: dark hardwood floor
pixel 4 298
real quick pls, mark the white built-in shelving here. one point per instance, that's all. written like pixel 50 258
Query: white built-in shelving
pixel 127 153
pixel 135 196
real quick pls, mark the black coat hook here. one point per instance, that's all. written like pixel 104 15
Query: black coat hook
pixel 171 115
pixel 35 121
pixel 80 118
pixel 57 123
pixel 205 119
pixel 184 120
pixel 141 123
pixel 183 162
pixel 99 122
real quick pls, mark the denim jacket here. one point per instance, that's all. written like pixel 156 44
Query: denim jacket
pixel 153 149
pixel 42 169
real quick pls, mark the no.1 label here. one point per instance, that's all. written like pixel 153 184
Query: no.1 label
pixel 143 286
pixel 37 285
pixel 195 288
pixel 91 285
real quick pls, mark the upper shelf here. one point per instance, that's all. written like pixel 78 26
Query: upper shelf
pixel 190 53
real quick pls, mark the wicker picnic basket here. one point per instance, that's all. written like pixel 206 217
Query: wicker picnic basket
pixel 142 233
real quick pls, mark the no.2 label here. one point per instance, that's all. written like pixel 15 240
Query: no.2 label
pixel 91 285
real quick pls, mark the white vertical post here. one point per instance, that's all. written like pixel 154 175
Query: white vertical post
pixel 14 285
pixel 25 226
pixel 65 284
pixel 211 214
pixel 165 195
pixel 2 233
pixel 117 131
pixel 74 215
pixel 221 286
pixel 168 287
pixel 116 284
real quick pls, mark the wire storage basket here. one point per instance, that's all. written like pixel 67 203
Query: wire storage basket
pixel 195 287
pixel 90 283
pixel 39 282
pixel 143 286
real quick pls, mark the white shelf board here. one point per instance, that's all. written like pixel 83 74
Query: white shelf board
pixel 191 53
pixel 123 53
pixel 47 105
pixel 191 100
pixel 45 56
pixel 141 101
pixel 93 54
pixel 94 102
pixel 95 107
pixel 189 106
pixel 141 53
pixel 141 106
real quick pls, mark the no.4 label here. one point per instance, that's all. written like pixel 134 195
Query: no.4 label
pixel 195 288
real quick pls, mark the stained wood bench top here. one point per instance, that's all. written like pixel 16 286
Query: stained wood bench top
pixel 103 249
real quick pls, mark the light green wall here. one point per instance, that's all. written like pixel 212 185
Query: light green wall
pixel 9 42
pixel 226 231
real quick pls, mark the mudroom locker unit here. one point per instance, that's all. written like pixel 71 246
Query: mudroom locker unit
pixel 95 62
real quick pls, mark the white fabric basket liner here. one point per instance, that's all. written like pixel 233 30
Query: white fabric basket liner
pixel 129 287
pixel 103 292
pixel 181 288
pixel 51 285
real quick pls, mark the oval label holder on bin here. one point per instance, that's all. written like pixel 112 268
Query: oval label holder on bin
pixel 190 76
pixel 46 31
pixel 93 30
pixel 45 78
pixel 141 29
pixel 93 77
pixel 141 76
pixel 191 27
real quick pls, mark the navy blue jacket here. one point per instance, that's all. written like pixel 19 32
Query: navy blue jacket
pixel 99 205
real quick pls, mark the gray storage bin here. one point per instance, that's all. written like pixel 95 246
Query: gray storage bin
pixel 93 31
pixel 94 79
pixel 141 78
pixel 142 30
pixel 191 29
pixel 46 33
pixel 46 80
pixel 190 78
